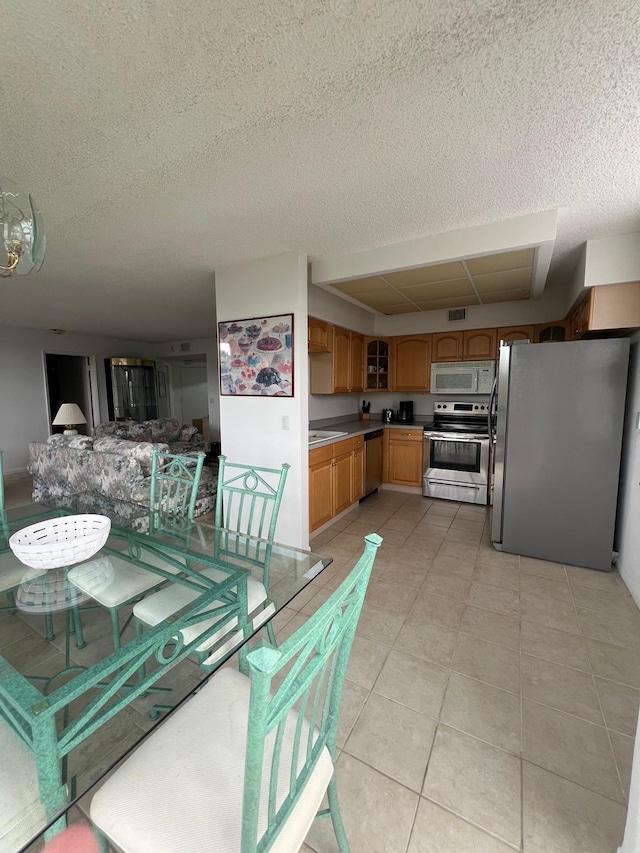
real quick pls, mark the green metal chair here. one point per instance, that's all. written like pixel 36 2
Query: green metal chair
pixel 244 765
pixel 173 493
pixel 247 505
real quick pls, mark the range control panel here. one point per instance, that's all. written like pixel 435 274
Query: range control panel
pixel 462 408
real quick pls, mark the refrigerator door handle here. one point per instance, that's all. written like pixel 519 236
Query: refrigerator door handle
pixel 490 418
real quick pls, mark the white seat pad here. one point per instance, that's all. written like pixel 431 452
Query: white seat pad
pixel 126 582
pixel 13 572
pixel 157 607
pixel 182 788
pixel 21 814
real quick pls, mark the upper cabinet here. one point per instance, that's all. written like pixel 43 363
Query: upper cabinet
pixel 340 370
pixel 516 333
pixel 318 335
pixel 377 367
pixel 470 345
pixel 446 346
pixel 411 363
pixel 551 332
pixel 606 307
pixel 479 344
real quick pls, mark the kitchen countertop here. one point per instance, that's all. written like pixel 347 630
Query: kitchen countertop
pixel 358 427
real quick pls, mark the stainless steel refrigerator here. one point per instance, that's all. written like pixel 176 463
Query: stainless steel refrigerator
pixel 558 436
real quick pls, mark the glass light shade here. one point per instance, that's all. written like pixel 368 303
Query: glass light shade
pixel 68 415
pixel 21 231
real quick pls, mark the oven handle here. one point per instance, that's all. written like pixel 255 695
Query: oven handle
pixel 444 437
pixel 456 484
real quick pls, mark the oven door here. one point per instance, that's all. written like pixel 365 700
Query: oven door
pixel 456 466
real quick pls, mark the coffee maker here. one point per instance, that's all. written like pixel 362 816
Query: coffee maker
pixel 404 415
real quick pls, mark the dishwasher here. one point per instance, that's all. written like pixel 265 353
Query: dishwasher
pixel 372 462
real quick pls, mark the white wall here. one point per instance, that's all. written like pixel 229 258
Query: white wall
pixel 628 519
pixel 610 260
pixel 334 309
pixel 252 427
pixel 23 396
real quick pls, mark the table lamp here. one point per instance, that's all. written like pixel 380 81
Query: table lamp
pixel 69 414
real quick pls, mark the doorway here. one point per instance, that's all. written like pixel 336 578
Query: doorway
pixel 69 381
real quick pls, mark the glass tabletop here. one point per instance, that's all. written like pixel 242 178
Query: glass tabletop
pixel 96 651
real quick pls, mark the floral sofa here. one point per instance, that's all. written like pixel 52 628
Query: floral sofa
pixel 183 439
pixel 111 475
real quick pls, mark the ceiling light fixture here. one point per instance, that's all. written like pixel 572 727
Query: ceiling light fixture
pixel 22 231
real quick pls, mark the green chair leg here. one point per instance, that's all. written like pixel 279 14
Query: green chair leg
pixel 336 817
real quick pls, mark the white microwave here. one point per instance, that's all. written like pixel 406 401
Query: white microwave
pixel 463 377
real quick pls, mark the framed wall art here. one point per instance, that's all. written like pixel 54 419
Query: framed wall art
pixel 256 356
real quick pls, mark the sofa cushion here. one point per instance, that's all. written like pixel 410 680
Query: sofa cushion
pixel 187 432
pixel 163 429
pixel 127 430
pixel 206 487
pixel 76 442
pixel 141 451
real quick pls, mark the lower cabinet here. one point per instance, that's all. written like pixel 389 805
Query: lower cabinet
pixel 402 457
pixel 336 479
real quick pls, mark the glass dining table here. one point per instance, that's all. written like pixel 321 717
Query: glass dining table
pixel 83 681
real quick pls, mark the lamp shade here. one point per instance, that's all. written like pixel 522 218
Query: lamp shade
pixel 68 415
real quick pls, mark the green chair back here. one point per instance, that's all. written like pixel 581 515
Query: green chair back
pixel 310 668
pixel 248 498
pixel 174 483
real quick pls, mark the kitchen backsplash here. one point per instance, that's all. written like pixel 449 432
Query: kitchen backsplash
pixel 337 405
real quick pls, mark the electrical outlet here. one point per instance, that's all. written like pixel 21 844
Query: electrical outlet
pixel 285 422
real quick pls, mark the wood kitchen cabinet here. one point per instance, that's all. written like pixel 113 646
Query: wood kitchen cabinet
pixel 318 335
pixel 411 363
pixel 446 346
pixel 607 307
pixel 479 344
pixel 336 479
pixel 402 457
pixel 378 364
pixel 507 334
pixel 551 332
pixel 341 370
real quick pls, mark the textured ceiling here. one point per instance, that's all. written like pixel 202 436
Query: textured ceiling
pixel 163 140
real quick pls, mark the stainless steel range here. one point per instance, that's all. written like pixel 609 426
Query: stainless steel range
pixel 456 452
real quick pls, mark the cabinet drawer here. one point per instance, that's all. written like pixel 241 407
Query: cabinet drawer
pixel 358 442
pixel 321 454
pixel 406 435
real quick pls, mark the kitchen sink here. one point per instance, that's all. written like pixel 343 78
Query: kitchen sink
pixel 322 435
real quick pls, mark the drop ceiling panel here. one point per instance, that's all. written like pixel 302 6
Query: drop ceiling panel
pixel 501 262
pixel 505 296
pixel 454 302
pixel 439 290
pixel 425 275
pixel 360 285
pixel 503 281
pixel 383 296
pixel 501 277
pixel 404 308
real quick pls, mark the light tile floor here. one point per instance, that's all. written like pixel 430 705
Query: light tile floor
pixel 491 700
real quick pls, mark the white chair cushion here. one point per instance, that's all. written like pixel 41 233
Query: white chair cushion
pixel 126 582
pixel 21 815
pixel 157 607
pixel 182 788
pixel 13 572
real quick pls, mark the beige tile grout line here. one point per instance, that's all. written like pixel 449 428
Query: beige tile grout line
pixel 595 687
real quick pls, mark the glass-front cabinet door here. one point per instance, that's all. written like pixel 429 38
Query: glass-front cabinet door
pixel 378 365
